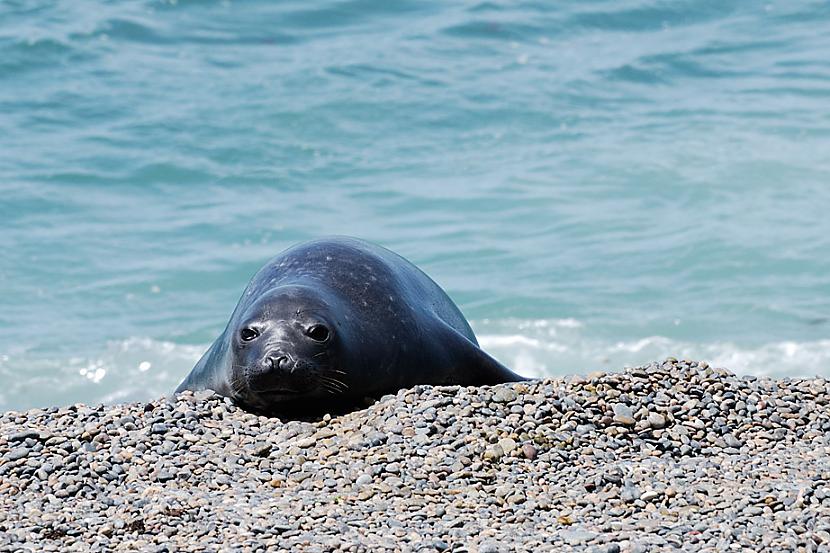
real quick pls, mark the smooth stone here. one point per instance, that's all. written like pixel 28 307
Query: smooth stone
pixel 625 420
pixel 489 547
pixel 529 452
pixel 504 395
pixel 507 445
pixel 493 453
pixel 732 441
pixel 158 428
pixel 24 435
pixel 656 420
pixel 17 453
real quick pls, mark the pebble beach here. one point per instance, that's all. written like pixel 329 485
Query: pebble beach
pixel 671 456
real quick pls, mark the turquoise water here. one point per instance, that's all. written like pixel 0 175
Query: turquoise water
pixel 595 183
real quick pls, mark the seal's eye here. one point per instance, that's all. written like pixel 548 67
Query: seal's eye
pixel 318 333
pixel 247 334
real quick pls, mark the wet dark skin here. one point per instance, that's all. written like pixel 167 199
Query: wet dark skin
pixel 329 323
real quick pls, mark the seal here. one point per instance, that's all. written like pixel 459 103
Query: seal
pixel 330 322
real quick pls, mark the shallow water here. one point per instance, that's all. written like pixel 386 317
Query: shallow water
pixel 596 184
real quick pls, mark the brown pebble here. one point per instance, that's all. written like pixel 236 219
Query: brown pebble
pixel 529 451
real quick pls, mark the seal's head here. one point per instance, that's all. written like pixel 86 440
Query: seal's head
pixel 283 350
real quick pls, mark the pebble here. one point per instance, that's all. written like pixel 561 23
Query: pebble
pixel 676 455
pixel 649 495
pixel 529 451
pixel 16 453
pixel 507 445
pixel 623 414
pixel 656 420
pixel 504 395
pixel 24 435
pixel 732 441
pixel 493 453
pixel 489 547
pixel 159 428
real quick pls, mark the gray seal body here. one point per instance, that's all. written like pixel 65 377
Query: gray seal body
pixel 330 322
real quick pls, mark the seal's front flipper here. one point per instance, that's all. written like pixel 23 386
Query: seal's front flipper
pixel 473 365
pixel 204 373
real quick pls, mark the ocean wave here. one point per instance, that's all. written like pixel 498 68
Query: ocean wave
pixel 540 348
pixel 134 369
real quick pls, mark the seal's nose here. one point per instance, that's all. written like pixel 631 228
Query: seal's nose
pixel 274 372
pixel 278 363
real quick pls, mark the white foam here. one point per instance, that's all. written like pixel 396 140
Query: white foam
pixel 125 370
pixel 513 340
pixel 785 358
pixel 642 344
pixel 562 346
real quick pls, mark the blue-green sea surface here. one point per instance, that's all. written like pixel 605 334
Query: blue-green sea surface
pixel 597 184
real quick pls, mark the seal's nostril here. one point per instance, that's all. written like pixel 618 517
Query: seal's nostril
pixel 278 362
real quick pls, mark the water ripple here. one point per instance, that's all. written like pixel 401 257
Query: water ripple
pixel 654 171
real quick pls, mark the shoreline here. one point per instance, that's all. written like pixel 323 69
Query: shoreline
pixel 671 455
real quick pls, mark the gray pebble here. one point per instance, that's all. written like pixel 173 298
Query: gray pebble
pixel 159 428
pixel 16 453
pixel 489 547
pixel 504 395
pixel 632 461
pixel 732 441
pixel 656 420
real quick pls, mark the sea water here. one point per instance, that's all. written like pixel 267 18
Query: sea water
pixel 596 184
